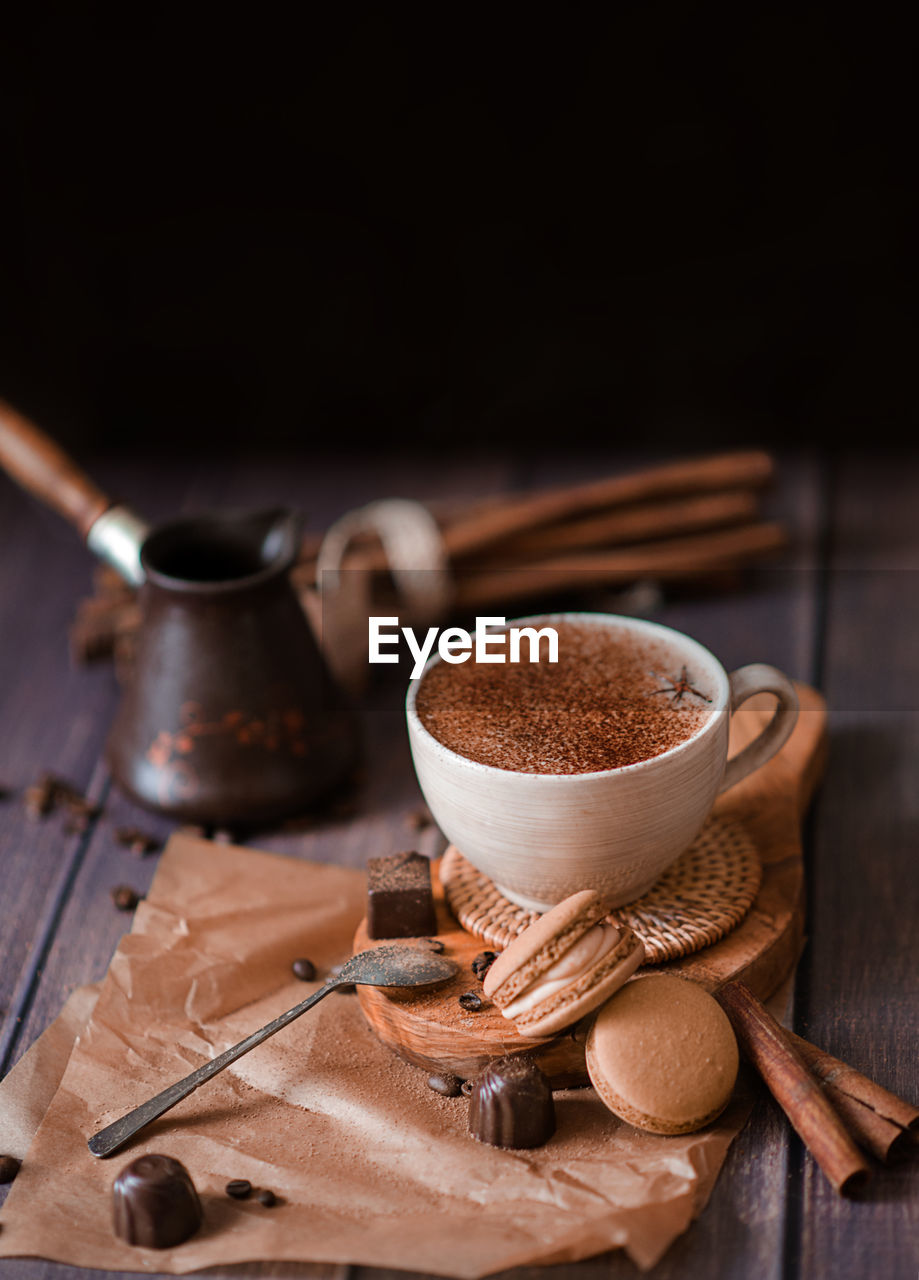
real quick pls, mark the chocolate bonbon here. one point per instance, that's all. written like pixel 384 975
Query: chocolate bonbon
pixel 400 903
pixel 511 1105
pixel 154 1202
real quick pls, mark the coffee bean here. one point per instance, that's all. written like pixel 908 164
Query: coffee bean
pixel 125 898
pixel 239 1188
pixel 50 791
pixel 418 819
pixel 435 945
pixel 139 842
pixel 40 798
pixel 482 963
pixel 9 1167
pixel 267 1198
pixel 80 808
pixel 447 1085
pixel 471 1000
pixel 466 1088
pixel 304 969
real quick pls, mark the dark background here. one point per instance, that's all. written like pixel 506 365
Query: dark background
pixel 662 224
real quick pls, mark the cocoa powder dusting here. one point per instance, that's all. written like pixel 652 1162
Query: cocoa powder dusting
pixel 603 705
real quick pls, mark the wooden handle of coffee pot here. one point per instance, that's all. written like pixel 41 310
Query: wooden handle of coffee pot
pixel 42 467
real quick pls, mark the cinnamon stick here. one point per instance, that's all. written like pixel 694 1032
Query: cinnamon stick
pixel 881 1122
pixel 482 523
pixel 670 558
pixel 621 527
pixel 797 1092
pixel 738 470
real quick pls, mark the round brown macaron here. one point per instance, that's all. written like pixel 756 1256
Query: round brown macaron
pixel 662 1055
pixel 563 966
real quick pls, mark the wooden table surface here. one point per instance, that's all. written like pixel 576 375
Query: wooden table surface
pixel 841 611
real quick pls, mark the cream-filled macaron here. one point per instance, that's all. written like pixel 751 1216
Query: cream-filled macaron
pixel 563 966
pixel 662 1055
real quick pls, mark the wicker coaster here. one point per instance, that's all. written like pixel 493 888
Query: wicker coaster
pixel 702 897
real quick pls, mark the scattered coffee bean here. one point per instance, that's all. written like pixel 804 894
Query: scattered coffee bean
pixel 267 1198
pixel 435 945
pixel 471 1000
pixel 40 798
pixel 345 986
pixel 49 792
pixel 81 814
pixel 139 842
pixel 239 1188
pixel 9 1167
pixel 80 807
pixel 447 1085
pixel 466 1088
pixel 482 963
pixel 419 819
pixel 304 969
pixel 125 898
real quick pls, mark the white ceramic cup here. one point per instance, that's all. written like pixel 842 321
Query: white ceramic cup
pixel 543 836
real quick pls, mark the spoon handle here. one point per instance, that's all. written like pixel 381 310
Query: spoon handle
pixel 114 1136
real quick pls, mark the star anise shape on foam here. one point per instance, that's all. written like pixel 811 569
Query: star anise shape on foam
pixel 678 688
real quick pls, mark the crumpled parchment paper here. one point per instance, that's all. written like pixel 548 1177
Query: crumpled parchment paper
pixel 369 1164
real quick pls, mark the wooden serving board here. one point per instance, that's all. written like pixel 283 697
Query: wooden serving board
pixel 433 1031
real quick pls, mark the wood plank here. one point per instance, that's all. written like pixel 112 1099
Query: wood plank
pixel 772 617
pixel 55 717
pixel 39 1269
pixel 857 990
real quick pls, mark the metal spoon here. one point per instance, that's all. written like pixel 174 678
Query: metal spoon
pixel 387 966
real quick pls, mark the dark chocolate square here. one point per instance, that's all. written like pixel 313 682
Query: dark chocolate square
pixel 400 902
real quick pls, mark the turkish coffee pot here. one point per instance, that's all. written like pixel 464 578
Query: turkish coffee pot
pixel 230 715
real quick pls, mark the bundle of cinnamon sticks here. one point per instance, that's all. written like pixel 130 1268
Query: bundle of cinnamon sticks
pixel 833 1108
pixel 689 519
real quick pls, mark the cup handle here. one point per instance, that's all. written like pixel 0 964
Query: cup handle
pixel 758 677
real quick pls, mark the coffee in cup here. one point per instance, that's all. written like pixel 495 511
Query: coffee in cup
pixel 613 698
